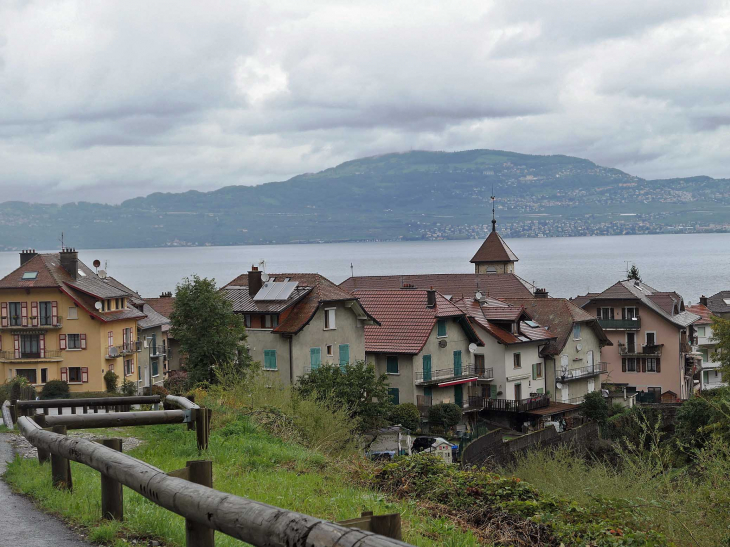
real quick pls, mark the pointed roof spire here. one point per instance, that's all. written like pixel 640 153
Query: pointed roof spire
pixel 494 220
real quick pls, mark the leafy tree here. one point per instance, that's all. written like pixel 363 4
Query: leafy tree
pixel 407 415
pixel 55 389
pixel 594 407
pixel 721 335
pixel 111 380
pixel 355 387
pixel 634 273
pixel 128 388
pixel 445 415
pixel 209 332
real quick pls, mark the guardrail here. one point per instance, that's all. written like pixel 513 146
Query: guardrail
pixel 512 405
pixel 188 492
pixel 454 372
pixel 600 367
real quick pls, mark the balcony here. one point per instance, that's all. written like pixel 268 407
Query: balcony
pixel 584 372
pixel 46 325
pixel 647 350
pixel 523 405
pixel 156 351
pixel 112 352
pixel 48 355
pixel 620 324
pixel 453 373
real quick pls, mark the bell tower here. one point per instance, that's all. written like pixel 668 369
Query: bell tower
pixel 494 256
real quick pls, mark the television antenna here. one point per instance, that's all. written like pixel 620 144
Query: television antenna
pixel 61 240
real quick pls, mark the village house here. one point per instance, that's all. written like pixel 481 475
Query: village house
pixel 298 322
pixel 650 332
pixel 718 304
pixel 573 365
pixel 59 320
pixel 164 306
pixel 705 345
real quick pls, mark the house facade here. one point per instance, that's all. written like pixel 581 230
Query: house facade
pixel 705 344
pixel 60 321
pixel 573 365
pixel 650 332
pixel 298 322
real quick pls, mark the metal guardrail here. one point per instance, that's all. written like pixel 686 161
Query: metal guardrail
pixel 647 350
pixel 9 355
pixel 455 372
pixel 512 405
pixel 583 372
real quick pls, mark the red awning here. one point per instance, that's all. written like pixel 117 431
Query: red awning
pixel 457 382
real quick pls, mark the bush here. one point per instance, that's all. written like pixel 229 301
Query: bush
pixel 445 415
pixel 128 388
pixel 17 388
pixel 594 407
pixel 159 390
pixel 55 389
pixel 176 382
pixel 407 415
pixel 111 381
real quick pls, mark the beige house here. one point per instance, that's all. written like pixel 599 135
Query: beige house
pixel 705 345
pixel 298 322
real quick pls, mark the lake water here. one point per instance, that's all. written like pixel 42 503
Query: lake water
pixel 691 264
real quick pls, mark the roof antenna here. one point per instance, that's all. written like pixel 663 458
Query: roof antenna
pixel 61 240
pixel 494 220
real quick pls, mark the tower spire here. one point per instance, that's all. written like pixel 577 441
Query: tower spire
pixel 494 220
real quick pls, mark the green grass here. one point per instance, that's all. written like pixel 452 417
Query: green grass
pixel 246 462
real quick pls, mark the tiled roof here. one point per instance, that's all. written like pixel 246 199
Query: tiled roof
pixel 559 315
pixel 716 303
pixel 47 277
pixel 704 313
pixel 503 313
pixel 457 285
pixel 406 321
pixel 243 302
pixel 153 319
pixel 581 301
pixel 163 305
pixel 494 249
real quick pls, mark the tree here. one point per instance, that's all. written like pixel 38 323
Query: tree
pixel 445 415
pixel 111 380
pixel 634 273
pixel 207 329
pixel 407 415
pixel 594 407
pixel 721 335
pixel 355 387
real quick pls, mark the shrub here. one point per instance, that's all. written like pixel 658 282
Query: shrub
pixel 159 390
pixel 594 407
pixel 128 388
pixel 407 415
pixel 111 381
pixel 176 382
pixel 445 415
pixel 55 389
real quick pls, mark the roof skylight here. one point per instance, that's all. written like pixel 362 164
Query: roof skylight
pixel 30 275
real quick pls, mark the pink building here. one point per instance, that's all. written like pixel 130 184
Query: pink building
pixel 651 333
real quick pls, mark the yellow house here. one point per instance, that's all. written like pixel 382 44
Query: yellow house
pixel 59 320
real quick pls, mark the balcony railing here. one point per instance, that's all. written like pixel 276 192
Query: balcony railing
pixel 50 354
pixel 583 372
pixel 443 374
pixel 646 350
pixel 112 352
pixel 523 405
pixel 620 324
pixel 156 351
pixel 30 326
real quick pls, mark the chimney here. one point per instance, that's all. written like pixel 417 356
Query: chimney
pixel 430 298
pixel 541 293
pixel 703 298
pixel 167 294
pixel 26 255
pixel 254 281
pixel 70 261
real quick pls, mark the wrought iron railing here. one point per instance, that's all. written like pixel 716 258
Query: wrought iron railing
pixel 112 352
pixel 646 350
pixel 583 372
pixel 620 324
pixel 523 405
pixel 47 354
pixel 455 372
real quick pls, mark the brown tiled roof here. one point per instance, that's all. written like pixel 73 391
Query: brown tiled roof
pixel 457 285
pixel 494 249
pixel 243 302
pixel 704 313
pixel 559 315
pixel 163 305
pixel 47 277
pixel 581 301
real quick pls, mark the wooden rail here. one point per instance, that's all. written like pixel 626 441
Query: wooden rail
pixel 256 523
pixel 91 402
pixel 114 419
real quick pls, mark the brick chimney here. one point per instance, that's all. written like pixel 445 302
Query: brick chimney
pixel 26 255
pixel 430 298
pixel 703 298
pixel 70 261
pixel 541 293
pixel 254 281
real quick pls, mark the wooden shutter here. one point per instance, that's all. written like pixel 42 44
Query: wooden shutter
pixel 64 374
pixel 84 374
pixel 62 341
pixel 131 365
pixel 82 337
pixel 534 371
pixel 493 391
pixel 315 358
pixel 457 363
pixel 54 313
pixel 658 364
pixel 344 355
pixel 16 345
pixel 34 314
pixel 42 345
pixel 24 313
pixel 426 367
pixel 643 365
pixel 4 314
pixel 623 364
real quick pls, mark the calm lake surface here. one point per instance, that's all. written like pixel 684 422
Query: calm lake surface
pixel 691 264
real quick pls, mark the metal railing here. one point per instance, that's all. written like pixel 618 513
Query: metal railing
pixel 620 324
pixel 583 372
pixel 112 352
pixel 32 326
pixel 647 350
pixel 523 405
pixel 47 354
pixel 156 351
pixel 454 372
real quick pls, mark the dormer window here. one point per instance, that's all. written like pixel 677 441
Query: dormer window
pixel 29 276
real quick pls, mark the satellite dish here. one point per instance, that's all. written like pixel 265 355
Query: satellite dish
pixel 478 295
pixel 102 274
pixel 559 385
pixel 97 263
pixel 264 277
pixel 472 347
pixel 97 305
pixel 579 347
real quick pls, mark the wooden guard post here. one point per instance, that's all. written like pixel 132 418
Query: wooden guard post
pixel 198 472
pixel 112 496
pixel 202 426
pixel 384 525
pixel 60 466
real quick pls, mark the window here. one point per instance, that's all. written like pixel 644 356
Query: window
pixel 631 342
pixel 517 359
pixel 16 316
pixel 650 338
pixel 329 319
pixel 441 328
pixel 630 364
pixel 344 355
pixel 247 320
pixel 73 312
pixel 631 313
pixel 576 331
pixel 128 367
pixel 605 313
pixel 391 366
pixel 537 370
pixel 44 375
pixel 701 331
pixel 271 321
pixel 155 367
pixel 73 341
pixel 74 374
pixel 28 276
pixel 705 355
pixel 45 313
pixel 330 350
pixel 270 359
pixel 651 365
pixel 394 393
pixel 27 373
pixel 30 346
pixel 315 358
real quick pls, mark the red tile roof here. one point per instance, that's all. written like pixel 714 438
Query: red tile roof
pixel 163 305
pixel 704 313
pixel 494 249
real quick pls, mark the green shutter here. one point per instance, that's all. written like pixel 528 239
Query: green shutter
pixel 344 356
pixel 394 393
pixel 706 376
pixel 428 391
pixel 426 367
pixel 441 327
pixel 534 372
pixel 315 358
pixel 391 366
pixel 270 359
pixel 459 396
pixel 457 363
pixel 493 391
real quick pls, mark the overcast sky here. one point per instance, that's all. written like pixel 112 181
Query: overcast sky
pixel 106 100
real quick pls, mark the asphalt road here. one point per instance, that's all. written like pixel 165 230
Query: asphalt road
pixel 21 524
